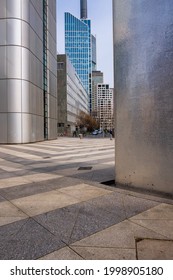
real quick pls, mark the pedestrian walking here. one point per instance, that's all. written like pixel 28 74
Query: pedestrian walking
pixel 110 132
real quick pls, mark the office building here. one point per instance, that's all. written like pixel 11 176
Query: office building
pixel 78 46
pixel 143 52
pixel 105 100
pixel 72 97
pixel 97 78
pixel 94 53
pixel 28 85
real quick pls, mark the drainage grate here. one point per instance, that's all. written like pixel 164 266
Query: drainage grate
pixel 46 157
pixel 109 183
pixel 85 168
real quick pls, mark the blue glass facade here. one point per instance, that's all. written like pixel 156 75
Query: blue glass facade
pixel 94 54
pixel 78 47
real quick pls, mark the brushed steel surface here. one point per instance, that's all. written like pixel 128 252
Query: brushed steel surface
pixel 3 126
pixel 3 64
pixel 3 32
pixel 14 95
pixel 13 8
pixel 14 124
pixel 14 28
pixel 3 102
pixel 14 62
pixel 143 56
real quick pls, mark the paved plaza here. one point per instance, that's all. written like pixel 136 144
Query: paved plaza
pixel 55 204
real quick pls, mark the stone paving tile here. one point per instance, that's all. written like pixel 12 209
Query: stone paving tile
pixel 37 187
pixel 2 199
pixel 9 213
pixel 92 219
pixel 158 219
pixel 21 180
pixel 60 222
pixel 163 227
pixel 83 219
pixel 112 202
pixel 144 195
pixel 32 152
pixel 41 203
pixel 19 153
pixel 97 253
pixel 84 192
pixel 8 231
pixel 149 249
pixel 31 242
pixel 5 175
pixel 135 205
pixel 162 211
pixel 121 235
pixel 63 254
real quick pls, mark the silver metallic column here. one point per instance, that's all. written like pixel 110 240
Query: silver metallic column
pixel 143 59
pixel 21 71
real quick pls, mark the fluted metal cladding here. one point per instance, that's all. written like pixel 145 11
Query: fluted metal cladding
pixel 83 9
pixel 21 71
pixel 143 59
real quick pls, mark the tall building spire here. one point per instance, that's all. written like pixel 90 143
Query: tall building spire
pixel 83 9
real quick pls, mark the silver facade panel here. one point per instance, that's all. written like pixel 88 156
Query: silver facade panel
pixel 14 95
pixel 25 97
pixel 13 8
pixel 2 9
pixel 27 134
pixel 3 102
pixel 14 124
pixel 3 64
pixel 3 32
pixel 25 34
pixel 36 21
pixel 3 126
pixel 25 64
pixel 14 35
pixel 14 62
pixel 25 10
pixel 143 53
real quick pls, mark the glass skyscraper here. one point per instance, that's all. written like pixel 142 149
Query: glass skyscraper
pixel 94 53
pixel 78 47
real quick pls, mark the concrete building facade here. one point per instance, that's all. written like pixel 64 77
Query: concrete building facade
pixel 72 96
pixel 105 100
pixel 28 87
pixel 97 77
pixel 143 54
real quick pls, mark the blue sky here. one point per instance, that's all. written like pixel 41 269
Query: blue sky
pixel 100 13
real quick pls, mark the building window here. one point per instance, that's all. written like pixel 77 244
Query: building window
pixel 60 65
pixel 60 124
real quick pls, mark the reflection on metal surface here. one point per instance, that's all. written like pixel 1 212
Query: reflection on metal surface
pixel 143 36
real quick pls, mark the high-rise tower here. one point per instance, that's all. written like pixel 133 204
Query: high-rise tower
pixel 83 9
pixel 79 46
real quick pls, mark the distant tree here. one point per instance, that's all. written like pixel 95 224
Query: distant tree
pixel 86 122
